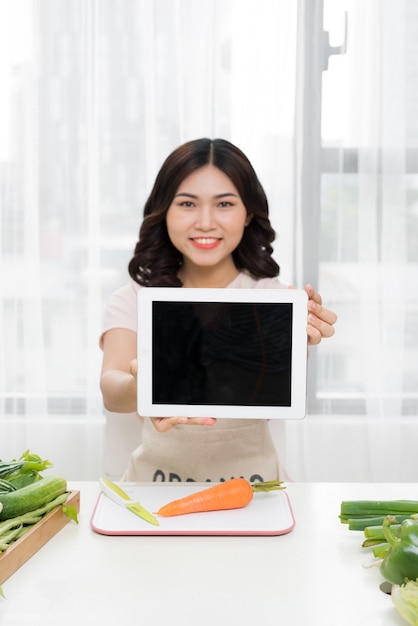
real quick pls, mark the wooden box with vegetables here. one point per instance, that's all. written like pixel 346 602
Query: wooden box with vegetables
pixel 33 508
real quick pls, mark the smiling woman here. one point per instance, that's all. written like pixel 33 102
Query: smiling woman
pixel 205 223
pixel 191 236
pixel 204 169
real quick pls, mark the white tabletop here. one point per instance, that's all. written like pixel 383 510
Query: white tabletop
pixel 314 575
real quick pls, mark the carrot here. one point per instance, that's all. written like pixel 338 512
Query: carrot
pixel 231 494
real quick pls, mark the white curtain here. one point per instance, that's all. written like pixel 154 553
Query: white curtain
pixel 374 247
pixel 94 94
pixel 367 378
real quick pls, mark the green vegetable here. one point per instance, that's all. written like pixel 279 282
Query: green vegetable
pixel 377 532
pixel 13 529
pixel 360 523
pixel 6 486
pixel 401 561
pixel 375 538
pixel 31 497
pixel 405 599
pixel 8 468
pixel 357 509
pixel 381 550
pixel 9 537
pixel 25 470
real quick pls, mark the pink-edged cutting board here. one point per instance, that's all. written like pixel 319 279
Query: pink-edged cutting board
pixel 267 514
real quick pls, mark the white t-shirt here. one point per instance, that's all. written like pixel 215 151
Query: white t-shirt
pixel 232 447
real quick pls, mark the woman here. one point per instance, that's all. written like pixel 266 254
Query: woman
pixel 205 225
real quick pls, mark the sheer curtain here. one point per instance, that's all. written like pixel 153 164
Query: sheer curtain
pixel 367 378
pixel 94 95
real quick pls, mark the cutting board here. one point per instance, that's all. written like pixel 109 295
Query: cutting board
pixel 267 514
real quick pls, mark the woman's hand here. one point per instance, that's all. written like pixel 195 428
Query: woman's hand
pixel 163 424
pixel 320 320
pixel 133 368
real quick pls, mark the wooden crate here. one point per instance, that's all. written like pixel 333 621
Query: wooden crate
pixel 21 550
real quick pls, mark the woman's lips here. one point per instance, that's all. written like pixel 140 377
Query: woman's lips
pixel 205 242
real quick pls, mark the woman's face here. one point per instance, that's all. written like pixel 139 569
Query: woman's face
pixel 206 219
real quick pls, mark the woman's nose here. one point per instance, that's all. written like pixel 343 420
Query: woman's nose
pixel 205 219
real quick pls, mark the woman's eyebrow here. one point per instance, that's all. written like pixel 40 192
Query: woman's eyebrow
pixel 217 196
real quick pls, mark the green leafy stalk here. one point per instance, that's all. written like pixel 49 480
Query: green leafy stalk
pixel 25 470
pixel 9 468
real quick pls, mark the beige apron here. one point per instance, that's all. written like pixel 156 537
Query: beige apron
pixel 233 447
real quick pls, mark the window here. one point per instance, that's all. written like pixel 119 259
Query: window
pixel 369 219
pixel 94 95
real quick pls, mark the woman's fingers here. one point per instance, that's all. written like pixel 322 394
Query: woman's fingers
pixel 163 424
pixel 320 323
pixel 313 295
pixel 133 367
pixel 320 319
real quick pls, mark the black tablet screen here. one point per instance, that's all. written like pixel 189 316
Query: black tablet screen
pixel 222 353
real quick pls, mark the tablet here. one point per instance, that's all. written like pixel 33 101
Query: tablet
pixel 232 353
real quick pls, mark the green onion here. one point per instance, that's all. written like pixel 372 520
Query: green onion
pixel 369 543
pixel 351 509
pixel 376 532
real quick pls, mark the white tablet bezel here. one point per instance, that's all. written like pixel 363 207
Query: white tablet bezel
pixel 297 297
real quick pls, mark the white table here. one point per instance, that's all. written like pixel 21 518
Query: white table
pixel 314 575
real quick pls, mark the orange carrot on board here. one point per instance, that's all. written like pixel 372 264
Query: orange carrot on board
pixel 231 494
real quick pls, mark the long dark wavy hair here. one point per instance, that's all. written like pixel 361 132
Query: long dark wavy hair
pixel 156 261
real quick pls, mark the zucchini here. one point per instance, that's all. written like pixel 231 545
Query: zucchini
pixel 31 497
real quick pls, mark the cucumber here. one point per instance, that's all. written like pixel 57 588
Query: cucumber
pixel 31 497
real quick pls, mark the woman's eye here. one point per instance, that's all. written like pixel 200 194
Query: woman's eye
pixel 225 204
pixel 187 204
